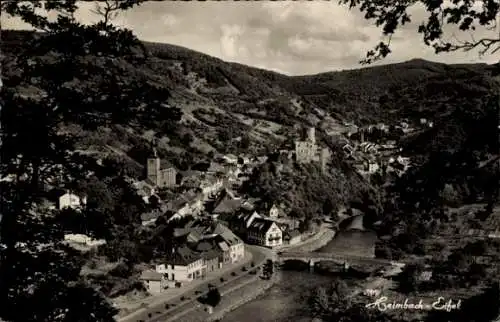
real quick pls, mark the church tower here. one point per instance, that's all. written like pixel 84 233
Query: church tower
pixel 153 168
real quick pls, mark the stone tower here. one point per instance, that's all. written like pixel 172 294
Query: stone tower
pixel 324 159
pixel 311 135
pixel 153 168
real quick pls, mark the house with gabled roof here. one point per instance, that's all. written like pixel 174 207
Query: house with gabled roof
pixel 264 232
pixel 183 266
pixel 275 212
pixel 153 281
pixel 211 254
pixel 236 245
pixel 66 199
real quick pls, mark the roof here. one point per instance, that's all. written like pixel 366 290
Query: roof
pixel 189 196
pixel 150 275
pixel 215 167
pixel 227 205
pixel 261 225
pixel 56 193
pixel 211 254
pixel 203 246
pixel 179 232
pixel 223 246
pixel 141 184
pixel 208 250
pixel 177 204
pixel 150 215
pixel 227 234
pixel 183 256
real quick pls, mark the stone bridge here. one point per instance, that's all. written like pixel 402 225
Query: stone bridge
pixel 346 259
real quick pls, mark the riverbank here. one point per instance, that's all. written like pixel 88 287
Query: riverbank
pixel 256 287
pixel 231 300
pixel 249 293
pixel 319 240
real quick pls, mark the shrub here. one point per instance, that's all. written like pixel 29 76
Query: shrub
pixel 222 279
pixel 243 269
pixel 252 264
pixel 167 306
pixel 182 298
pixel 233 273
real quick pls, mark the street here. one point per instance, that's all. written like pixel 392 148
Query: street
pixel 161 309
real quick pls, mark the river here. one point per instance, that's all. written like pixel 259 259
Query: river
pixel 287 301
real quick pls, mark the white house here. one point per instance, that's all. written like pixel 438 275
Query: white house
pixel 274 212
pixel 65 199
pixel 183 267
pixel 265 232
pixel 236 245
pixel 153 281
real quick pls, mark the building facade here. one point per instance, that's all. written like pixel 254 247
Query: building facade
pixel 236 245
pixel 153 281
pixel 183 267
pixel 265 232
pixel 70 200
pixel 158 174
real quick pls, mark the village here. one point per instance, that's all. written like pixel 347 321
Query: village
pixel 221 222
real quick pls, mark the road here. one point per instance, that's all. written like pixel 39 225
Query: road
pixel 161 310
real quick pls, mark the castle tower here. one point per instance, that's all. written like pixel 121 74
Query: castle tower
pixel 324 159
pixel 311 135
pixel 153 168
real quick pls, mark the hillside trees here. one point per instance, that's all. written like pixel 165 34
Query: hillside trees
pixel 304 189
pixel 69 73
pixel 466 15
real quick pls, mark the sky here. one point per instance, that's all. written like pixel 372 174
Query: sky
pixel 294 38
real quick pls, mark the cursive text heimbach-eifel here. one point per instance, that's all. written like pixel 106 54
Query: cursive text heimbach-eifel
pixel 441 304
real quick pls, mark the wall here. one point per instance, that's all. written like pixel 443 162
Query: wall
pixel 153 166
pixel 180 273
pixel 153 287
pixel 274 231
pixel 237 252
